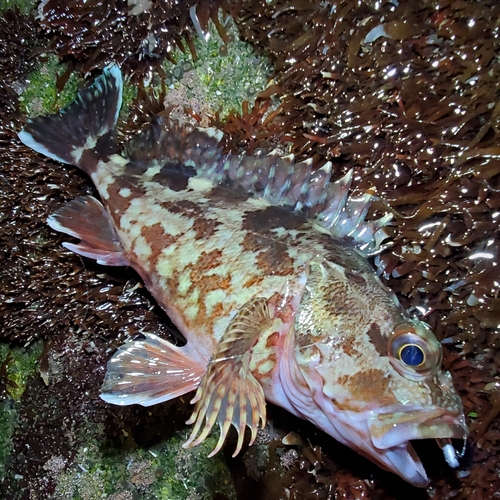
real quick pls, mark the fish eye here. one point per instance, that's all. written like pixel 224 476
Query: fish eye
pixel 414 351
pixel 412 355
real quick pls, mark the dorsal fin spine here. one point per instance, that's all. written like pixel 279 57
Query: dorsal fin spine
pixel 336 198
pixel 319 181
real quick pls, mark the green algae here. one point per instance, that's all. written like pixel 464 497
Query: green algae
pixel 18 365
pixel 8 418
pixel 190 474
pixel 129 94
pixel 223 76
pixel 24 6
pixel 92 475
pixel 41 95
pixel 163 471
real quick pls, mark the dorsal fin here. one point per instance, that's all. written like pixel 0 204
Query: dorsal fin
pixel 276 179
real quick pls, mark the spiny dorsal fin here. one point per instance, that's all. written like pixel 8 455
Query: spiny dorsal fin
pixel 276 179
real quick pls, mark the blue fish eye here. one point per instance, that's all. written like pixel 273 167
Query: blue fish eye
pixel 412 355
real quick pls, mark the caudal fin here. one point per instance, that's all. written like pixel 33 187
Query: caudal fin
pixel 83 131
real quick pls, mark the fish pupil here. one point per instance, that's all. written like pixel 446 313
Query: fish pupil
pixel 412 355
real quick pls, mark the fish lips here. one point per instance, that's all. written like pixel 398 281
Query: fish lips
pixel 391 434
pixel 393 429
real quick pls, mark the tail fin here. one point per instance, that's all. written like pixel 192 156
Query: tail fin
pixel 86 124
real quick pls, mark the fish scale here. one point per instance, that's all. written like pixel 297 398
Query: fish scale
pixel 262 264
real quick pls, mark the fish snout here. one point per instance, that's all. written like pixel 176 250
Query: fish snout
pixel 393 429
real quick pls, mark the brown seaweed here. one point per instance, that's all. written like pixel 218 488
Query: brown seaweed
pixel 139 35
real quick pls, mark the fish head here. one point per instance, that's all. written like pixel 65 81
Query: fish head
pixel 367 374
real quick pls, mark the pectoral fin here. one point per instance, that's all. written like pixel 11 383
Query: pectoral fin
pixel 150 371
pixel 229 394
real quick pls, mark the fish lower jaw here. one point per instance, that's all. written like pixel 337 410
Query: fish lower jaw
pixel 391 439
pixel 404 461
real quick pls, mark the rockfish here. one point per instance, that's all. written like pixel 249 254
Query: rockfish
pixel 263 266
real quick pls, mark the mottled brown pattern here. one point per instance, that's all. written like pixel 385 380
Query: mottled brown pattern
pixel 304 339
pixel 183 207
pixel 157 239
pixel 175 176
pixel 228 195
pixel 276 261
pixel 208 260
pixel 89 161
pixel 205 227
pixel 253 280
pixel 206 283
pixel 272 217
pixel 366 383
pixel 218 310
pixel 272 256
pixel 272 340
pixel 337 293
pixel 282 309
pixel 254 242
pixel 349 349
pixel 263 365
pixel 136 168
pixel 355 277
pixel 173 283
pixel 117 202
pixel 105 147
pixel 378 340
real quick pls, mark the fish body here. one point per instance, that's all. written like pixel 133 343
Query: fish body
pixel 262 265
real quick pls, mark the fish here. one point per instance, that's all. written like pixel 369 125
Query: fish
pixel 263 264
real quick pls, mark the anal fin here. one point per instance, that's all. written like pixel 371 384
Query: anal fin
pixel 229 394
pixel 151 371
pixel 87 219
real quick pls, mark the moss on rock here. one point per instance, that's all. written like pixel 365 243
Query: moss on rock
pixel 222 77
pixel 24 6
pixel 18 364
pixel 163 471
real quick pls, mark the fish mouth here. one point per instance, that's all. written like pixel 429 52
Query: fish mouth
pixel 391 434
